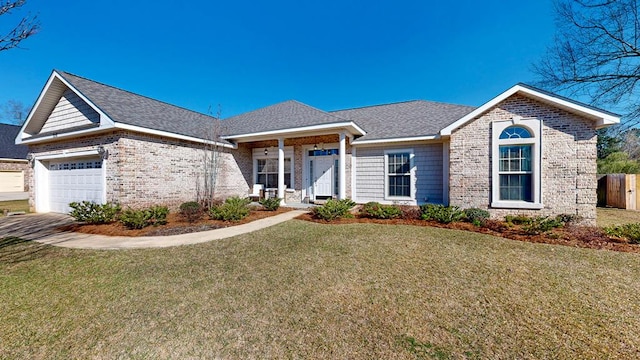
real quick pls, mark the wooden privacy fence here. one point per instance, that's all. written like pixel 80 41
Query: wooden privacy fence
pixel 619 191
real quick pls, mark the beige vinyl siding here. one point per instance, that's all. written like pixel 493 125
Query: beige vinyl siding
pixel 370 174
pixel 70 112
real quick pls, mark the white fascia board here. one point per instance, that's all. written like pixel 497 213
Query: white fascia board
pixel 275 133
pixel 14 160
pixel 64 135
pixel 396 140
pixel 172 135
pixel 603 119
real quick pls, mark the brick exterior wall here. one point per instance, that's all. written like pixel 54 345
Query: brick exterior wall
pixel 568 152
pixel 143 170
pixel 17 166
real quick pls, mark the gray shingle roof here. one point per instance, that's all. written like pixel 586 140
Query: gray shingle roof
pixel 8 147
pixel 133 109
pixel 281 116
pixel 404 119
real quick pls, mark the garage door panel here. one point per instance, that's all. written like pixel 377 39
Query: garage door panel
pixel 74 181
pixel 11 181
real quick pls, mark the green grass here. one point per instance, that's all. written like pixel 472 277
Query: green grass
pixel 305 290
pixel 611 216
pixel 14 205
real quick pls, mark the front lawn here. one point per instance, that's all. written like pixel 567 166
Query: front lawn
pixel 14 205
pixel 306 290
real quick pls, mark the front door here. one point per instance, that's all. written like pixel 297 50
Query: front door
pixel 323 176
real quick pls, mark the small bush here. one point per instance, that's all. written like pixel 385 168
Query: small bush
pixel 191 211
pixel 157 215
pixel 518 219
pixel 133 219
pixel 542 224
pixel 270 204
pixel 630 232
pixel 233 209
pixel 92 213
pixel 333 209
pixel 376 210
pixel 476 216
pixel 138 219
pixel 440 213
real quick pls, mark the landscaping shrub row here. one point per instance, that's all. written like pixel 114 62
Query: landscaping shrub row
pixel 232 209
pixel 334 209
pixel 92 213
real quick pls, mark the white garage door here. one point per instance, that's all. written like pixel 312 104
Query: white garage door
pixel 74 180
pixel 11 181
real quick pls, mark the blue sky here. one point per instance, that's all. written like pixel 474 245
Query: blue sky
pixel 244 55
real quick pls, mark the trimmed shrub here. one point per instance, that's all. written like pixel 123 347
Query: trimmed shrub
pixel 93 213
pixel 440 213
pixel 270 204
pixel 542 224
pixel 518 219
pixel 630 232
pixel 376 210
pixel 157 215
pixel 233 209
pixel 138 219
pixel 191 211
pixel 133 219
pixel 333 209
pixel 476 216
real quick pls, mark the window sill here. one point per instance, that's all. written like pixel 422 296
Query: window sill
pixel 516 205
pixel 399 198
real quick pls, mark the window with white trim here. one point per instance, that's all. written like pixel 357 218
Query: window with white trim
pixel 398 174
pixel 516 164
pixel 267 172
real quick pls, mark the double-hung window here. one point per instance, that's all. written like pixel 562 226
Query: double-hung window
pixel 516 164
pixel 267 173
pixel 398 174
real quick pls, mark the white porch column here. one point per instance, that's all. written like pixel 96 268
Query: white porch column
pixel 281 170
pixel 342 191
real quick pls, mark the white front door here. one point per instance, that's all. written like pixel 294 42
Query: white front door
pixel 74 180
pixel 323 177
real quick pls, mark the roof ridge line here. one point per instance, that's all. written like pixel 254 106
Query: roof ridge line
pixel 402 102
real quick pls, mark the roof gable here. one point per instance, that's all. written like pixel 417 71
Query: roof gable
pixel 120 109
pixel 282 116
pixel 600 117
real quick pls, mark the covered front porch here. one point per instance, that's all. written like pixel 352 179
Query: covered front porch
pixel 301 167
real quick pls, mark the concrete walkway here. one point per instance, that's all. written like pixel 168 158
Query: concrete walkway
pixel 41 228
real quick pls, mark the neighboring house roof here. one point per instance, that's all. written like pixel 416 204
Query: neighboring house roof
pixel 8 147
pixel 404 120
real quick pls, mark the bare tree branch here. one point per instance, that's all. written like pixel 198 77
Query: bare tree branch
pixel 26 27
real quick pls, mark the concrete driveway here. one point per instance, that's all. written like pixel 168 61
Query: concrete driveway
pixel 32 226
pixel 7 196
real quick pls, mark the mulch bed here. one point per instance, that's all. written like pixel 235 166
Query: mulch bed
pixel 590 237
pixel 175 225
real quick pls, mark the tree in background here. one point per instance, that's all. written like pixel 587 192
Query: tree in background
pixel 13 112
pixel 596 55
pixel 27 26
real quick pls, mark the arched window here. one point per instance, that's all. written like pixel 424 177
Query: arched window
pixel 515 132
pixel 516 170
